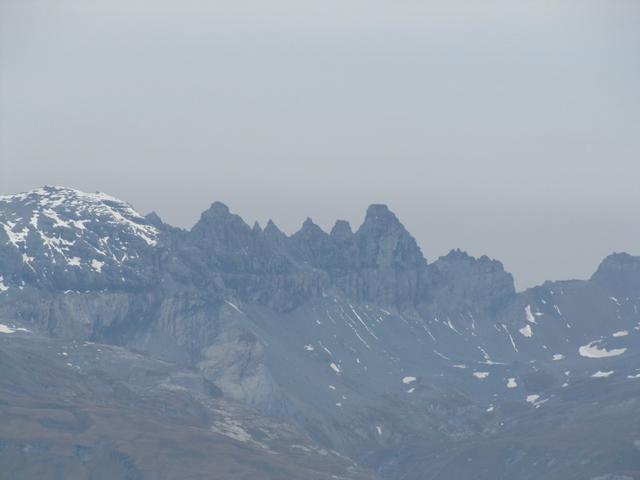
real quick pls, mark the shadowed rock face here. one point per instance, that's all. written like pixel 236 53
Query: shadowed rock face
pixel 390 262
pixel 381 262
pixel 341 354
pixel 459 279
pixel 621 271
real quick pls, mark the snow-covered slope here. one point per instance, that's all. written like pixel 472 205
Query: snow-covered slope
pixel 72 240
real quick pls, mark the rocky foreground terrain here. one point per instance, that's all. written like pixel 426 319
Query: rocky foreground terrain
pixel 130 349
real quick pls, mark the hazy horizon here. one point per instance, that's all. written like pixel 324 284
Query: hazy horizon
pixel 501 130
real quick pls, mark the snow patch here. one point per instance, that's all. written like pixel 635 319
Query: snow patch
pixel 481 375
pixel 511 383
pixel 6 329
pixel 97 265
pixel 408 380
pixel 529 315
pixel 592 351
pixel 601 374
pixel 15 237
pixel 232 429
pixel 526 331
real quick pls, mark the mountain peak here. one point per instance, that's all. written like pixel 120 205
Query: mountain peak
pixel 308 222
pixel 218 226
pixel 218 215
pixel 458 254
pixel 154 219
pixel 619 258
pixel 273 235
pixel 218 208
pixel 618 269
pixel 378 220
pixel 309 227
pixel 341 230
pixel 379 210
pixel 381 222
pixel 272 229
pixel 56 196
pixel 459 278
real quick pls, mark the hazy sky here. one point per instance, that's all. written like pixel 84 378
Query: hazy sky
pixel 507 128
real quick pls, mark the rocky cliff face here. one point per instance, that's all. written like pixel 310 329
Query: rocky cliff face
pixel 348 339
pixel 380 263
pixel 620 272
pixel 460 280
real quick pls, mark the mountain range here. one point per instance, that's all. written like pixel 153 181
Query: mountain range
pixel 133 349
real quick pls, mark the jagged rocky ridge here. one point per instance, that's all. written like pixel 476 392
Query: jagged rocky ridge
pixel 407 368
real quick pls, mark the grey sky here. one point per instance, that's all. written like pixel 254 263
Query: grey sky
pixel 506 128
